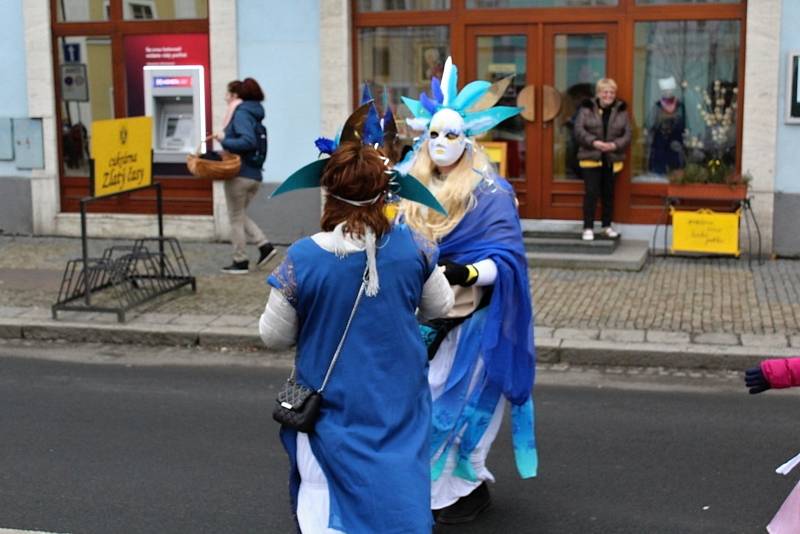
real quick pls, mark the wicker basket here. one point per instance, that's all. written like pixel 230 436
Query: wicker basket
pixel 216 170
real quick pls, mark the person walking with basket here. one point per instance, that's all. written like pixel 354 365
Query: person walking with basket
pixel 245 135
pixel 356 411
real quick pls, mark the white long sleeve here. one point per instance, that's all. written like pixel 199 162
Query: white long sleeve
pixel 437 296
pixel 278 324
pixel 487 272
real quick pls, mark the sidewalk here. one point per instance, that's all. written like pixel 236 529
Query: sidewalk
pixel 676 312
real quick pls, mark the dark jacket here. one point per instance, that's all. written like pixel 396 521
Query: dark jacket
pixel 589 128
pixel 240 134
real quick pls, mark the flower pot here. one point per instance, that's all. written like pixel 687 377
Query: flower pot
pixel 712 192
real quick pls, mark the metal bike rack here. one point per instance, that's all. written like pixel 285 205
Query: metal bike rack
pixel 124 276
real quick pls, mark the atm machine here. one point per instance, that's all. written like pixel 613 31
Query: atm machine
pixel 175 97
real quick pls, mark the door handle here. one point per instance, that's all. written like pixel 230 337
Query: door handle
pixel 551 103
pixel 526 99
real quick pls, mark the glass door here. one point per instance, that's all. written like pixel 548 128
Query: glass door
pixel 496 53
pixel 553 75
pixel 575 58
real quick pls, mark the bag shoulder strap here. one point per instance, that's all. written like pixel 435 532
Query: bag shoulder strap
pixel 338 350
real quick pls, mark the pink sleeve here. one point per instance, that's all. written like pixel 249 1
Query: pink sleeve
pixel 782 372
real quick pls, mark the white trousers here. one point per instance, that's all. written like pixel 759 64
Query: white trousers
pixel 313 498
pixel 448 488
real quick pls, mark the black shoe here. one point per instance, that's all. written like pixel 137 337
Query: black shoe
pixel 466 508
pixel 265 253
pixel 237 267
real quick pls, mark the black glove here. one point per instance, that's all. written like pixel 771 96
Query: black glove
pixel 755 380
pixel 458 274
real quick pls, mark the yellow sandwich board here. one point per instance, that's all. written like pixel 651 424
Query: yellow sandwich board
pixel 705 231
pixel 122 154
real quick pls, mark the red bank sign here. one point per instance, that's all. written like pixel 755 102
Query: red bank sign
pixel 163 49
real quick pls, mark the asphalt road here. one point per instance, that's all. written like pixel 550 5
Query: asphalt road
pixel 101 440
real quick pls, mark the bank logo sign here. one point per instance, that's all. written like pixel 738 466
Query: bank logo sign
pixel 172 81
pixel 122 154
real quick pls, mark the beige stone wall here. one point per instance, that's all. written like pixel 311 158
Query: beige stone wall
pixel 335 64
pixel 762 64
pixel 223 39
pixel 41 103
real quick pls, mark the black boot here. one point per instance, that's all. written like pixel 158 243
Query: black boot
pixel 466 508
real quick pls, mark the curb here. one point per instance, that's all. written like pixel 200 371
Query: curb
pixel 674 356
pixel 577 347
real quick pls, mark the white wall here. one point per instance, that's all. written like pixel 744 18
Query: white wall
pixel 279 46
pixel 13 89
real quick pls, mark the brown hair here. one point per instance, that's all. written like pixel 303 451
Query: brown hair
pixel 250 90
pixel 235 87
pixel 355 172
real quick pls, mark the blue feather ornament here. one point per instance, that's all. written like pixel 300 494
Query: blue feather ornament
pixel 366 95
pixel 430 105
pixel 436 90
pixel 471 93
pixel 482 121
pixel 325 145
pixel 415 107
pixel 372 132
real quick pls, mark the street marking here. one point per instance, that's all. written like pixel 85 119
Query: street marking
pixel 14 531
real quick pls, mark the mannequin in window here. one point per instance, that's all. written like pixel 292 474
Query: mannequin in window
pixel 665 125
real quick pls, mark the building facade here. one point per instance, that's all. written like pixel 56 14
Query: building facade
pixel 706 82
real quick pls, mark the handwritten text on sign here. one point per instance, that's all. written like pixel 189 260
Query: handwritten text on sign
pixel 705 231
pixel 122 155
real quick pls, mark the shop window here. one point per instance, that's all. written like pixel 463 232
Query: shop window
pixel 85 71
pixel 138 11
pixel 365 6
pixel 98 61
pixel 483 4
pixel 164 9
pixel 401 61
pixel 82 10
pixel 685 100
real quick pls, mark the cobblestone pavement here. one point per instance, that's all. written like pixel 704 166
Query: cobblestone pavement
pixel 697 296
pixel 674 294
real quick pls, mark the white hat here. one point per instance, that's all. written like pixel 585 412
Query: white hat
pixel 667 84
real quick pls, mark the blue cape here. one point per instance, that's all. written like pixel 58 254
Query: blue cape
pixel 492 230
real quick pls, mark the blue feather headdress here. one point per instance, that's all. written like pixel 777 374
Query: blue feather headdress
pixel 364 126
pixel 382 132
pixel 475 102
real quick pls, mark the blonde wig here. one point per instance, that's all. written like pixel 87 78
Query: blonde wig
pixel 454 193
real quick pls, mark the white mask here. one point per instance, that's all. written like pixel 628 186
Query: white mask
pixel 446 140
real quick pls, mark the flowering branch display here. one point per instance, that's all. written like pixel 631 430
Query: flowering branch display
pixel 709 157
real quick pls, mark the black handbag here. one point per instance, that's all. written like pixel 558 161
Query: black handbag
pixel 297 406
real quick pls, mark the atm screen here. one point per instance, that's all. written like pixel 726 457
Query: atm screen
pixel 172 125
pixel 178 131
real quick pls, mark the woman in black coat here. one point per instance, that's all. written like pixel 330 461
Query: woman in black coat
pixel 603 132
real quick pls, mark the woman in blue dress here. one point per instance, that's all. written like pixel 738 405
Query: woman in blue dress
pixel 364 468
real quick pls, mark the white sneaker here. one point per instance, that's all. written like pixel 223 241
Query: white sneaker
pixel 610 232
pixel 588 235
